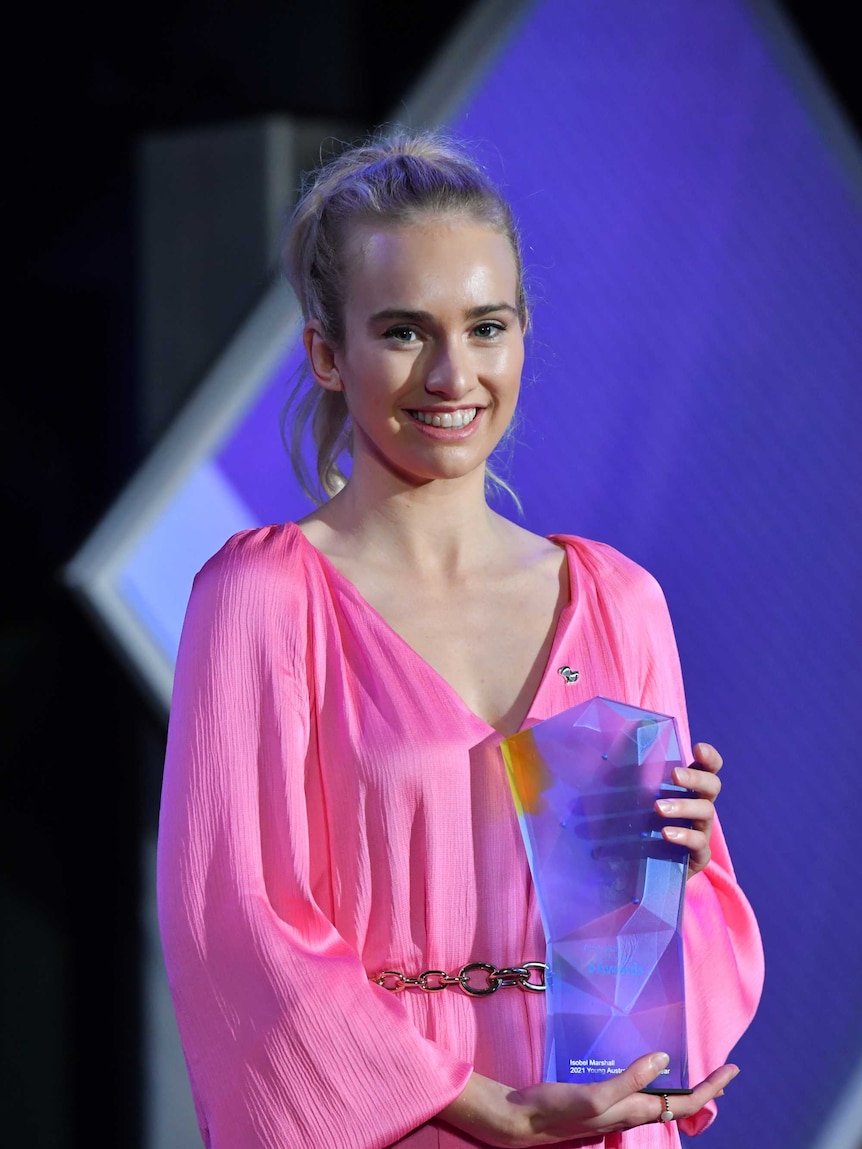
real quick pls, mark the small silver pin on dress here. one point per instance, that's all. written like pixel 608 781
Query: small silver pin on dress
pixel 570 675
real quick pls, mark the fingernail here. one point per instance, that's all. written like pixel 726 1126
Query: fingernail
pixel 665 806
pixel 672 832
pixel 658 1061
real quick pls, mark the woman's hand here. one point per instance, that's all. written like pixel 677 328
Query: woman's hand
pixel 701 777
pixel 549 1113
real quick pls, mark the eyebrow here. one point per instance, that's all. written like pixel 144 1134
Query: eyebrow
pixel 427 317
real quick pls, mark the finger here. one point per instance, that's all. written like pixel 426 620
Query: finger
pixel 700 781
pixel 686 1105
pixel 632 1080
pixel 683 1105
pixel 695 841
pixel 706 757
pixel 697 844
pixel 629 1112
pixel 698 810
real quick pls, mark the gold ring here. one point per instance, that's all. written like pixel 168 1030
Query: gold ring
pixel 667 1115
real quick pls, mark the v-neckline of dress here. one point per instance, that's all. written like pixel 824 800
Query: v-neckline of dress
pixel 349 588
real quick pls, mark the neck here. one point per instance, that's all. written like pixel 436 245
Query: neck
pixel 443 526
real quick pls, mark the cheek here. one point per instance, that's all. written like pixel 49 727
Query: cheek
pixel 370 388
pixel 511 368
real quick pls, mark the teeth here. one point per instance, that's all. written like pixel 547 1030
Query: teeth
pixel 447 419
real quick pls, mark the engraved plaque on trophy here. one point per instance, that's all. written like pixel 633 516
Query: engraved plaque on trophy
pixel 610 888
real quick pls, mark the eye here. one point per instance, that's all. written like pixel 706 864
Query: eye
pixel 489 329
pixel 401 334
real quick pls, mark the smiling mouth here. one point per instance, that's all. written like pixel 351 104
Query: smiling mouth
pixel 445 418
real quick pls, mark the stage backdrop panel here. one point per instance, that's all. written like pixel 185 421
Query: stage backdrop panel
pixel 691 208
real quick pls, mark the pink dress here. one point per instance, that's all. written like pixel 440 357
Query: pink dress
pixel 331 809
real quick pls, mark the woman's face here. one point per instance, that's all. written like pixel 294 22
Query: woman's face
pixel 433 347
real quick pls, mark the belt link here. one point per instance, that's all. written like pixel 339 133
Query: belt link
pixel 433 980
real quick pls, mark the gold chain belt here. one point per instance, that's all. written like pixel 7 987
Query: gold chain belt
pixel 432 980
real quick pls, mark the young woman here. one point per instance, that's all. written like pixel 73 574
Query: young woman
pixel 335 803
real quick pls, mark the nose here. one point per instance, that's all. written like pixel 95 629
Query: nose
pixel 448 373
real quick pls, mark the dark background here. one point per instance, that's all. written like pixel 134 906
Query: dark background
pixel 78 736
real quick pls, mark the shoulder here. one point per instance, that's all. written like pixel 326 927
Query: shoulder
pixel 624 600
pixel 609 571
pixel 246 621
pixel 259 569
pixel 260 552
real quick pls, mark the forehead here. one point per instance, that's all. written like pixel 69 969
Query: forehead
pixel 450 256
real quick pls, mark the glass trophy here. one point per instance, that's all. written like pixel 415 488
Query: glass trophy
pixel 610 888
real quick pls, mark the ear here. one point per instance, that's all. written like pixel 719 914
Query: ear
pixel 321 357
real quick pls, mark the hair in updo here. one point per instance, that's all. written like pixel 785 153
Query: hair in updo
pixel 395 177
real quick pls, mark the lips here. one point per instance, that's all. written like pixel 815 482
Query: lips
pixel 454 419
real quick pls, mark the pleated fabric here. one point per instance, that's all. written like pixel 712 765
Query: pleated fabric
pixel 331 808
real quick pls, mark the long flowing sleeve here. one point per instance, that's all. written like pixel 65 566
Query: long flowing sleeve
pixel 287 1043
pixel 723 952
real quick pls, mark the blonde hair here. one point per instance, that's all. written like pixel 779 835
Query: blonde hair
pixel 393 177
